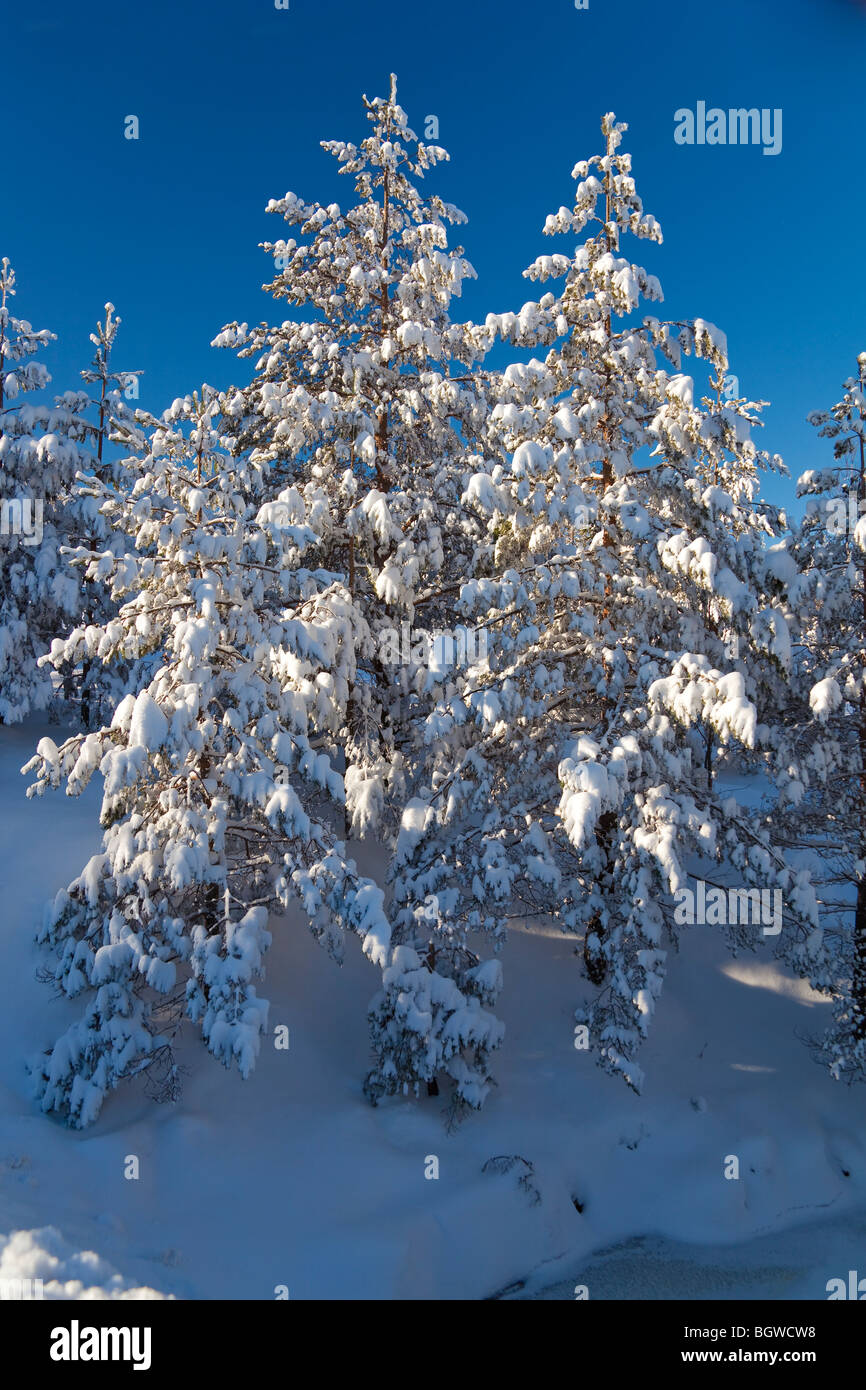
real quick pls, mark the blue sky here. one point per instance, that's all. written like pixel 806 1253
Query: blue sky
pixel 233 98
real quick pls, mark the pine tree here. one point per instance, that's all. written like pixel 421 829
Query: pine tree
pixel 823 777
pixel 365 394
pixel 110 433
pixel 216 792
pixel 374 398
pixel 43 451
pixel 37 594
pixel 571 772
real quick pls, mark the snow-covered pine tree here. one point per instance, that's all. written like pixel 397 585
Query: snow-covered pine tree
pixel 365 395
pixel 625 551
pixel 374 399
pixel 37 593
pixel 43 449
pixel 216 791
pixel 823 774
pixel 110 433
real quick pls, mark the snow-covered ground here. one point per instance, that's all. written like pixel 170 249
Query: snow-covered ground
pixel 292 1179
pixel 786 1264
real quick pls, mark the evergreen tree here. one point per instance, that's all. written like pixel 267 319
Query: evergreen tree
pixel 216 791
pixel 365 396
pixel 44 449
pixel 374 399
pixel 110 433
pixel 570 773
pixel 823 780
pixel 37 592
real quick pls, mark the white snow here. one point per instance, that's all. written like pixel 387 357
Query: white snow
pixel 291 1177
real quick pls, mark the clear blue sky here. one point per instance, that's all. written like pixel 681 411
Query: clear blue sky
pixel 233 98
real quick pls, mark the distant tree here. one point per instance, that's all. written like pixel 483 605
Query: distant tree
pixel 824 779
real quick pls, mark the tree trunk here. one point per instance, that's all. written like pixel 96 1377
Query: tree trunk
pixel 593 956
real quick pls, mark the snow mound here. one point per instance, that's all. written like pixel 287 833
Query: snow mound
pixel 65 1273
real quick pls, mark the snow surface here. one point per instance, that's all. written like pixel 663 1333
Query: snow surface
pixel 292 1178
